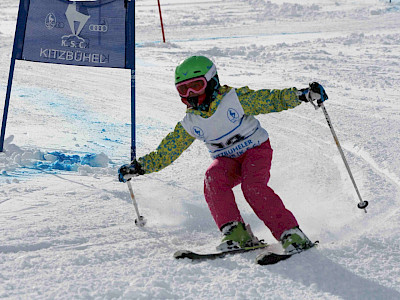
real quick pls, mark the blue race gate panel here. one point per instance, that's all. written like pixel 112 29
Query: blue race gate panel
pixel 96 33
pixel 84 33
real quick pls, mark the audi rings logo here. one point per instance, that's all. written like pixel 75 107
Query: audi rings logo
pixel 98 28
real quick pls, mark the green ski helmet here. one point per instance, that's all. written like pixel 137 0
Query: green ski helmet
pixel 198 67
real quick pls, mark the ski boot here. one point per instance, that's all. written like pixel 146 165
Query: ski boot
pixel 294 241
pixel 238 236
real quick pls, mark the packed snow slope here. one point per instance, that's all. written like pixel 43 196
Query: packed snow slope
pixel 67 225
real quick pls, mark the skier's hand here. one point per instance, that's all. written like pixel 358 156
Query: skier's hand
pixel 126 172
pixel 315 92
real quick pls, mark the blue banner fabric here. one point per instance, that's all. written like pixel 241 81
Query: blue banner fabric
pixel 84 33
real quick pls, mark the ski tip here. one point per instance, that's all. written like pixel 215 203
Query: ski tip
pixel 182 254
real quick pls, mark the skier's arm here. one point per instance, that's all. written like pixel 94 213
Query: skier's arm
pixel 267 101
pixel 170 148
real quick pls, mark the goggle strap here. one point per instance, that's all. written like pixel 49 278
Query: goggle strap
pixel 211 73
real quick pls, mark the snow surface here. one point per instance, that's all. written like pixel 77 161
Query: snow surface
pixel 67 225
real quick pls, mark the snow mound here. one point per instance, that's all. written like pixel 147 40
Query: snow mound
pixel 14 158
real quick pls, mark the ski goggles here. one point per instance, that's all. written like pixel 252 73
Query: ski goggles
pixel 196 85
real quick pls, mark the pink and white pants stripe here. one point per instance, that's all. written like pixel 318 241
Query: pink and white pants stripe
pixel 252 170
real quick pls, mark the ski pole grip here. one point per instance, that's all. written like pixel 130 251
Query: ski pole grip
pixel 128 177
pixel 315 106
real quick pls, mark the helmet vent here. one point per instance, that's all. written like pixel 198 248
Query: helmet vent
pixel 198 71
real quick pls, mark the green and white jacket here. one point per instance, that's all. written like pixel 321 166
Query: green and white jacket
pixel 228 128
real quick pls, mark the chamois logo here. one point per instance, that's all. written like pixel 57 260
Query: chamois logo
pixel 197 131
pixel 233 115
pixel 74 15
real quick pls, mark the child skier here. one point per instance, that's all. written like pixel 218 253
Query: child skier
pixel 223 117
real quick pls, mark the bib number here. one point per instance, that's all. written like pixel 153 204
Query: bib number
pixel 233 140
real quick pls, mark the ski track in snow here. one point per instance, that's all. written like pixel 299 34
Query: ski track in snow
pixel 67 224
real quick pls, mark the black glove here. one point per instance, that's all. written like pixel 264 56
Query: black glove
pixel 315 92
pixel 126 172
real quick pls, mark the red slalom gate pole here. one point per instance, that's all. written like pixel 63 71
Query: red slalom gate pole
pixel 162 25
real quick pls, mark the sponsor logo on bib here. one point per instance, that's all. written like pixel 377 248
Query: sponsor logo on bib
pixel 232 115
pixel 197 131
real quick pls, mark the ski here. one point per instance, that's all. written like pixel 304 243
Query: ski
pixel 273 253
pixel 270 258
pixel 207 256
pixel 273 257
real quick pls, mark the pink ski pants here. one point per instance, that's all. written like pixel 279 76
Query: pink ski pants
pixel 252 170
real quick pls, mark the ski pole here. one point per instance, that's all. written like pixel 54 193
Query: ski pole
pixel 362 204
pixel 140 221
